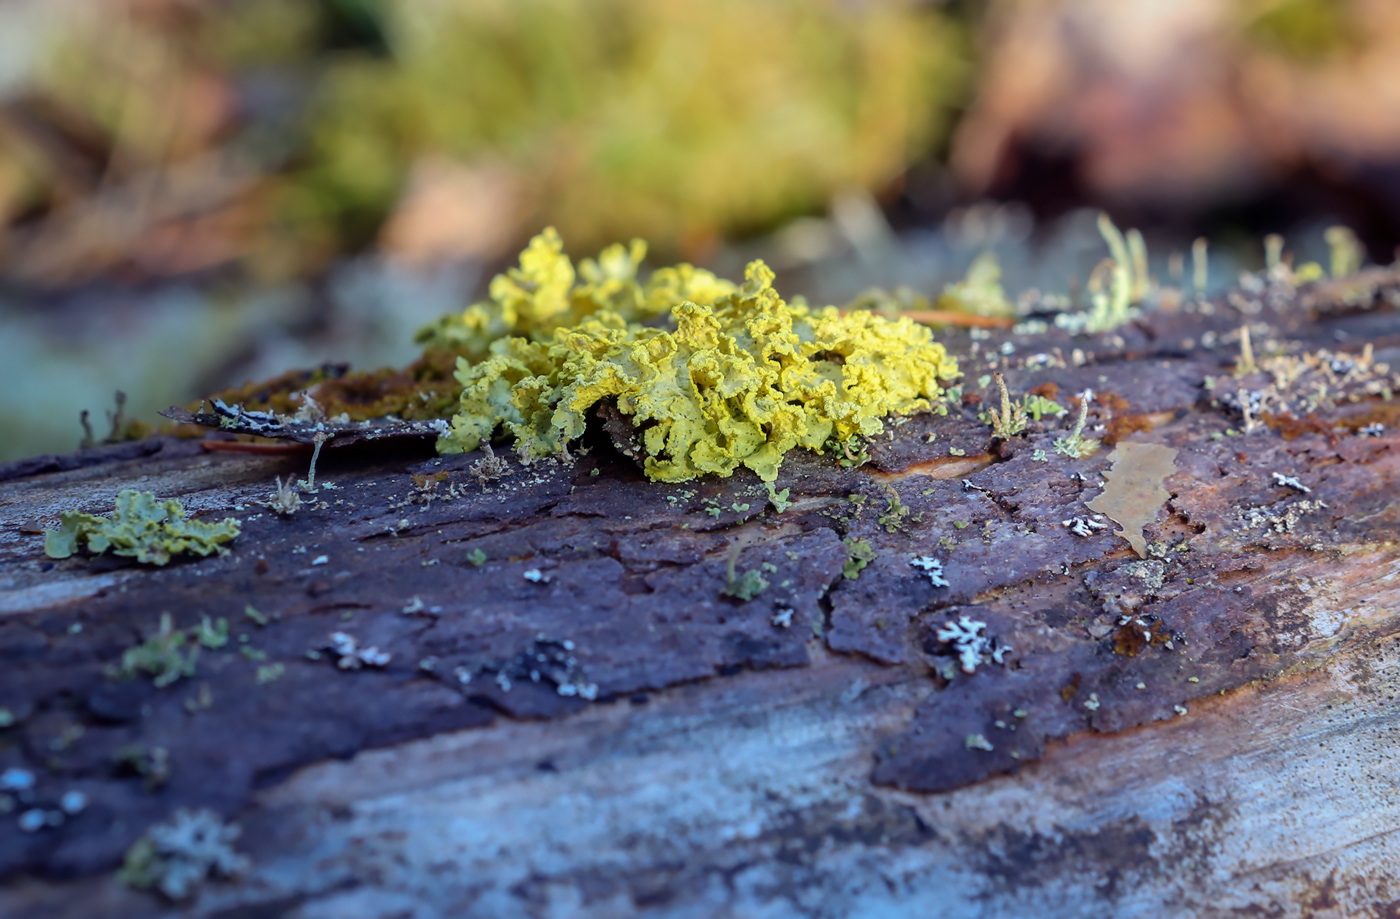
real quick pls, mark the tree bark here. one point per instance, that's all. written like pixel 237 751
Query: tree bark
pixel 576 718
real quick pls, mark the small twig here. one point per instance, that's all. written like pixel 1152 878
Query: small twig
pixel 239 446
pixel 949 317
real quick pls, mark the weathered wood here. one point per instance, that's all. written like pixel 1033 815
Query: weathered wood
pixel 1206 731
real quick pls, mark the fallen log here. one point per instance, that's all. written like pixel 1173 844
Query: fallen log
pixel 987 674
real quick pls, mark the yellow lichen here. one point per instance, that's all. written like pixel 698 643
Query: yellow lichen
pixel 545 294
pixel 739 378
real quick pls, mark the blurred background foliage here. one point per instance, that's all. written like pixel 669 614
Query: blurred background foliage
pixel 194 193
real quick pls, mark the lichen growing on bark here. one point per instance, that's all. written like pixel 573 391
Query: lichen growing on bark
pixel 741 378
pixel 142 527
pixel 546 293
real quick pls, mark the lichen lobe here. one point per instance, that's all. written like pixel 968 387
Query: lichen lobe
pixel 1134 493
pixel 142 527
pixel 736 377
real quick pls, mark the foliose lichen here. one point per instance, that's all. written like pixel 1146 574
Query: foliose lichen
pixel 546 293
pixel 737 378
pixel 142 527
pixel 177 856
pixel 169 654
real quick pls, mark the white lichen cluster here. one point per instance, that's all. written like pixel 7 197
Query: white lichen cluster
pixel 1084 526
pixel 1302 384
pixel 1291 481
pixel 490 467
pixel 177 856
pixel 1279 521
pixel 352 657
pixel 978 742
pixel 932 567
pixel 971 644
pixel 285 499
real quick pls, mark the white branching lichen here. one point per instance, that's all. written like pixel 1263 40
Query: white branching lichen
pixel 1084 526
pixel 978 742
pixel 352 657
pixel 175 857
pixel 932 567
pixel 1281 521
pixel 971 644
pixel 1289 481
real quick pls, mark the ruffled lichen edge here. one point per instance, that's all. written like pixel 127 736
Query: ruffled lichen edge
pixel 734 382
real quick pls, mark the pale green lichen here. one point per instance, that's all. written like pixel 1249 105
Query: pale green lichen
pixel 177 856
pixel 859 553
pixel 738 381
pixel 980 291
pixel 212 635
pixel 166 656
pixel 142 527
pixel 745 586
pixel 1112 301
pixel 896 513
pixel 1075 445
pixel 1347 252
pixel 1038 406
pixel 1010 419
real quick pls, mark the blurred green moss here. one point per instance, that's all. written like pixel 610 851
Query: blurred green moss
pixel 684 122
pixel 676 120
pixel 1304 30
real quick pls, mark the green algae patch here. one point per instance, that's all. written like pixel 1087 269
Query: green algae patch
pixel 142 527
pixel 738 377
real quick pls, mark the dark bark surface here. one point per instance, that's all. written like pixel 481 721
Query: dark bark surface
pixel 573 612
